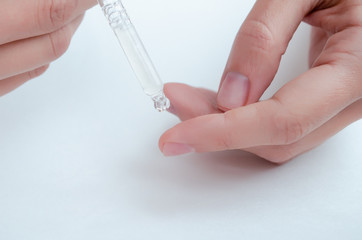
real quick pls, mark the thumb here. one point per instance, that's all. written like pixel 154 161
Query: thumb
pixel 255 56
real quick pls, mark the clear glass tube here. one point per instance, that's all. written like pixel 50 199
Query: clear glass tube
pixel 135 51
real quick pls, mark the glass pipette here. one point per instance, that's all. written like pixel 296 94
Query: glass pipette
pixel 135 51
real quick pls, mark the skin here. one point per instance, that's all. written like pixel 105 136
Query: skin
pixel 33 33
pixel 303 113
pixel 300 116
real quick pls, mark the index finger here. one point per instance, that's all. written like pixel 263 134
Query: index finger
pixel 21 19
pixel 257 50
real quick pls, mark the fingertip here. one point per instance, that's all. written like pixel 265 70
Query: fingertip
pixel 188 102
pixel 171 91
pixel 171 145
pixel 166 136
pixel 203 134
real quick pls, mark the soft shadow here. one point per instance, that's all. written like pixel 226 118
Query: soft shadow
pixel 238 164
pixel 192 183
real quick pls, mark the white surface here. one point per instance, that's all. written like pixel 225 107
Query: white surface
pixel 79 156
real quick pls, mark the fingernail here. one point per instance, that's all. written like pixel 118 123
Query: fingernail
pixel 172 109
pixel 175 149
pixel 234 91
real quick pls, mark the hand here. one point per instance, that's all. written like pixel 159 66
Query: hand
pixel 34 33
pixel 302 114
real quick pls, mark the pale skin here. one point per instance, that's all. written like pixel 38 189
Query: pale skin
pixel 303 113
pixel 300 116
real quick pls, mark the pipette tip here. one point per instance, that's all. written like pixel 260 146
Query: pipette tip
pixel 161 102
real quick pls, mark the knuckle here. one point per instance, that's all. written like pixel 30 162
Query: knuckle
pixel 259 33
pixel 61 11
pixel 56 13
pixel 227 137
pixel 59 42
pixel 292 130
pixel 289 128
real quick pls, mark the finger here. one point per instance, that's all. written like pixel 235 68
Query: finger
pixel 188 102
pixel 257 50
pixel 9 84
pixel 279 153
pixel 21 19
pixel 24 55
pixel 282 120
pixel 284 153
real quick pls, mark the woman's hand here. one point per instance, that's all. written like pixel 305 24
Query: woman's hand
pixel 301 115
pixel 34 33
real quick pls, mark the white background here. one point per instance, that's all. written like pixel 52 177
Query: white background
pixel 79 156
